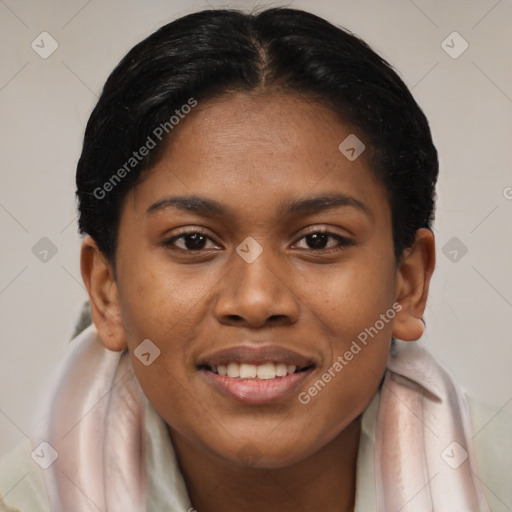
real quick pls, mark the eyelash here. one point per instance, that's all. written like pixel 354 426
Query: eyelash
pixel 342 241
pixel 170 241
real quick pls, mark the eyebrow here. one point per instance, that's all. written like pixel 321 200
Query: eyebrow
pixel 308 205
pixel 195 204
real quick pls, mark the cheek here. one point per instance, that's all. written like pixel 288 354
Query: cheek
pixel 341 390
pixel 160 301
pixel 167 307
pixel 351 298
pixel 355 307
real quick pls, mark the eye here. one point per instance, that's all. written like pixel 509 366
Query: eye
pixel 323 240
pixel 191 241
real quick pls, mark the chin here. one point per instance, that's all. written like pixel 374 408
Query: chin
pixel 257 454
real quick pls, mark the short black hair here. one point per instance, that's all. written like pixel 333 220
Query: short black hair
pixel 207 54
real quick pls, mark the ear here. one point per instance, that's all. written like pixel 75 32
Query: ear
pixel 412 283
pixel 99 279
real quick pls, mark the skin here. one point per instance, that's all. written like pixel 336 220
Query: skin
pixel 253 153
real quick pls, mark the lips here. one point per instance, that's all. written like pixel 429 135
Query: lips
pixel 256 375
pixel 256 356
pixel 264 371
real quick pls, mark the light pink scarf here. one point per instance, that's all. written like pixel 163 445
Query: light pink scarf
pixel 93 416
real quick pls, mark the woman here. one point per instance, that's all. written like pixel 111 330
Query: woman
pixel 257 193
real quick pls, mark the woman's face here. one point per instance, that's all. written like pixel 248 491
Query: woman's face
pixel 253 246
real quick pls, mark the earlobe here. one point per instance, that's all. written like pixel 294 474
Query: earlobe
pixel 412 285
pixel 98 277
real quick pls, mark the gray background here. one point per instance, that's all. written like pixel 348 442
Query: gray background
pixel 45 104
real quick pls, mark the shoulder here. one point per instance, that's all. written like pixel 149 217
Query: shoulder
pixel 21 483
pixel 492 436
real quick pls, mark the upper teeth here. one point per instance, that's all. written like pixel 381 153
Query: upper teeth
pixel 252 371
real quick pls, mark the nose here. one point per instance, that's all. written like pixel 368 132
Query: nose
pixel 256 294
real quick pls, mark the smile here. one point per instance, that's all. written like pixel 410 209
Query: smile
pixel 245 371
pixel 256 384
pixel 256 374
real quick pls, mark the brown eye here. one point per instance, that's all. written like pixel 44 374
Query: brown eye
pixel 321 240
pixel 317 240
pixel 191 241
pixel 194 241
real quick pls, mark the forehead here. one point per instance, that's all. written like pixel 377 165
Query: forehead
pixel 254 150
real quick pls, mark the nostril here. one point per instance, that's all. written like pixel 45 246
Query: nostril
pixel 277 319
pixel 272 320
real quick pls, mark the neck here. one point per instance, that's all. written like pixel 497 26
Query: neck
pixel 324 481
